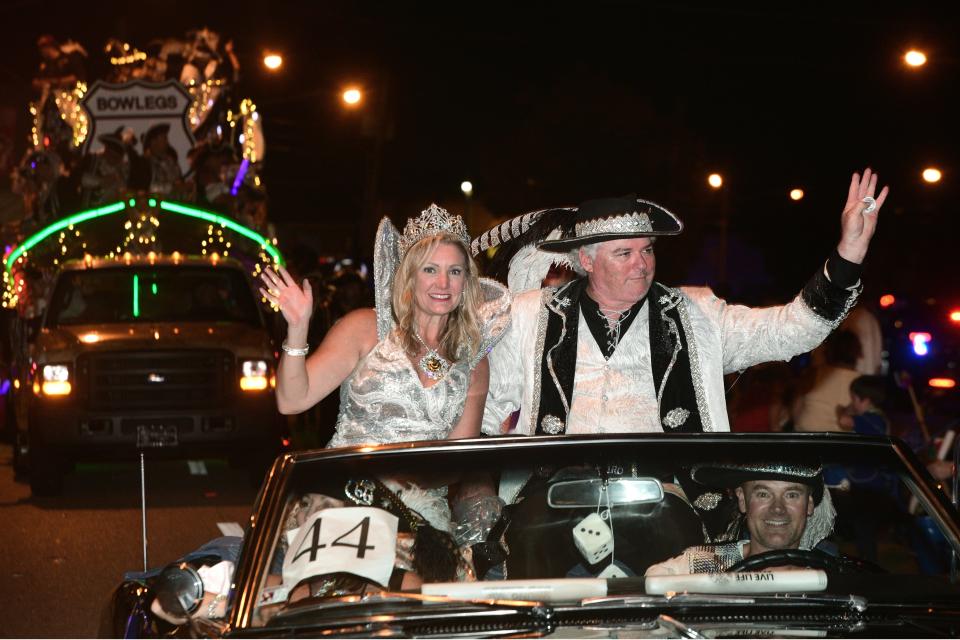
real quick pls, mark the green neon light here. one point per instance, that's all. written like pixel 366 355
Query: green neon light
pixel 132 202
pixel 136 296
pixel 152 202
pixel 46 232
pixel 109 209
pixel 153 288
pixel 226 222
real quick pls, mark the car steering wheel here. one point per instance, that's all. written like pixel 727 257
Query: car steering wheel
pixel 811 558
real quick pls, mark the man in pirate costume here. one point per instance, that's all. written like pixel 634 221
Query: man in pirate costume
pixel 616 351
pixel 783 505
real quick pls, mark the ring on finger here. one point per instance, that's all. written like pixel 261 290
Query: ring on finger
pixel 871 204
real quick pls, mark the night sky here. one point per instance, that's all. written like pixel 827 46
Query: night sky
pixel 540 106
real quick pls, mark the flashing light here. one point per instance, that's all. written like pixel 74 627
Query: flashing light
pixel 932 175
pixel 942 383
pixel 887 300
pixel 254 375
pixel 921 341
pixel 56 380
pixel 796 194
pixel 273 61
pixel 55 388
pixel 955 316
pixel 915 58
pixel 352 96
pixel 715 180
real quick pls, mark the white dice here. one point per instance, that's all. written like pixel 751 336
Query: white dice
pixel 593 538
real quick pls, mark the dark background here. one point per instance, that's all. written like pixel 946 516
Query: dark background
pixel 541 106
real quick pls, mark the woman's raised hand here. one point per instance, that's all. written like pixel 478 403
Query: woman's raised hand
pixel 295 301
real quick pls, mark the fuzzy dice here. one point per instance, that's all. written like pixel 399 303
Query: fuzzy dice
pixel 593 538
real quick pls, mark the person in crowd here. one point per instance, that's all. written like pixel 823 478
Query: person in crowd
pixel 105 174
pixel 870 497
pixel 783 505
pixel 617 351
pixel 61 67
pixel 826 388
pixel 755 401
pixel 864 414
pixel 166 178
pixel 210 166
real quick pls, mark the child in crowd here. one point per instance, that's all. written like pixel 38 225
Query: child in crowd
pixel 863 415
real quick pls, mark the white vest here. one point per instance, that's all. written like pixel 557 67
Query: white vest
pixel 615 395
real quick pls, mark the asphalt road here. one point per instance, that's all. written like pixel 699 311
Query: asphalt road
pixel 62 557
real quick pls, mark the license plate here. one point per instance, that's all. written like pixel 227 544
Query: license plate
pixel 155 436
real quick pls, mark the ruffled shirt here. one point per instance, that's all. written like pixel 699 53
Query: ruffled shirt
pixel 384 401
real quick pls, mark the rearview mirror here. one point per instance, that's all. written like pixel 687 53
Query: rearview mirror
pixel 574 494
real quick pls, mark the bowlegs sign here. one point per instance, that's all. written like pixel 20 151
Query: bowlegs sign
pixel 139 106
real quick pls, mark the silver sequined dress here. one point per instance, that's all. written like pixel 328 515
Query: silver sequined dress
pixel 383 400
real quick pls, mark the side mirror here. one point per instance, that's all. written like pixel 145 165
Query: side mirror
pixel 179 589
pixel 578 494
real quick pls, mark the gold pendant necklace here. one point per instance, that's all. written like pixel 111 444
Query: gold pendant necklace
pixel 433 365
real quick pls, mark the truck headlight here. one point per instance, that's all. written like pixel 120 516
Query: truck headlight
pixel 255 375
pixel 56 380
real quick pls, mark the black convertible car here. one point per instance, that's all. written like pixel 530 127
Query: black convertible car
pixel 331 549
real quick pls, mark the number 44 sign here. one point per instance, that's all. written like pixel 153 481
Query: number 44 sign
pixel 357 540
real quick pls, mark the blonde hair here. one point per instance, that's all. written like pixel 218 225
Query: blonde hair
pixel 460 337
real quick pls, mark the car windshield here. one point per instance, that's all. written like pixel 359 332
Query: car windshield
pixel 152 294
pixel 615 509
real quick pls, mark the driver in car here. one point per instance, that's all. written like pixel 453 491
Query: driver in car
pixel 784 506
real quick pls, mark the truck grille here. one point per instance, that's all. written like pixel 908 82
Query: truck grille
pixel 156 380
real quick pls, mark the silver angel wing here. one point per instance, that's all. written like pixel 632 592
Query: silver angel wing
pixel 386 259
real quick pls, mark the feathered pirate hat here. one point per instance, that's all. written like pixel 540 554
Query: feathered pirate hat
pixel 729 476
pixel 614 219
pixel 529 244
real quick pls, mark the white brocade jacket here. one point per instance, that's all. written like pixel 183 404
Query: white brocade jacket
pixel 618 395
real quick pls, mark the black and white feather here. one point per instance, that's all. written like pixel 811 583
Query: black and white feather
pixel 517 261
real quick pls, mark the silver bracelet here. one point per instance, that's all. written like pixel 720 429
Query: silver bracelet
pixel 294 351
pixel 212 607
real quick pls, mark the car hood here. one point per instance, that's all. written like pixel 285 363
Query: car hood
pixel 242 339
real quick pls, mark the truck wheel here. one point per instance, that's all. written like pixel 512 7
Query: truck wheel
pixel 46 472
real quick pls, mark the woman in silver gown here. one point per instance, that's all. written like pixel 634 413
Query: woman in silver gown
pixel 415 367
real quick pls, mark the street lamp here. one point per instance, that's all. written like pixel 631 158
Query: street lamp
pixel 352 96
pixel 272 61
pixel 932 175
pixel 915 58
pixel 715 180
pixel 796 194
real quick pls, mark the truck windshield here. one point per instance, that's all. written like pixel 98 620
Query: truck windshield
pixel 152 294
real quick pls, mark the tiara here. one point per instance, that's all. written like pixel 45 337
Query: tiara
pixel 430 222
